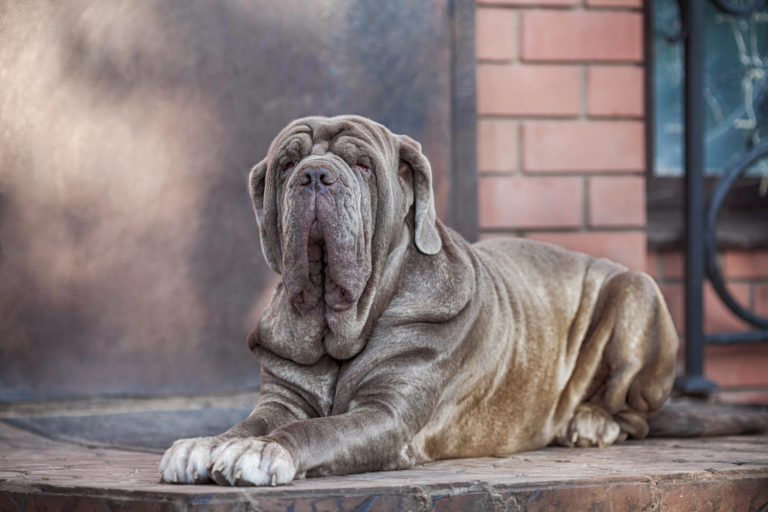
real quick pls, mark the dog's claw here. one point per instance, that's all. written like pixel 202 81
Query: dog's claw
pixel 181 462
pixel 247 462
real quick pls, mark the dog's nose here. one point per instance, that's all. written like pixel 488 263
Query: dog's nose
pixel 317 178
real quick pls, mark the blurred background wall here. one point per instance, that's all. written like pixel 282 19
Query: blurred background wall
pixel 129 261
pixel 129 255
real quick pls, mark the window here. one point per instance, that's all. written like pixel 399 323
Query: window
pixel 736 96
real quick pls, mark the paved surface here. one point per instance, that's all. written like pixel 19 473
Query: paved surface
pixel 124 422
pixel 717 474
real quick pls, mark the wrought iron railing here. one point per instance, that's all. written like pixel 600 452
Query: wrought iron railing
pixel 701 216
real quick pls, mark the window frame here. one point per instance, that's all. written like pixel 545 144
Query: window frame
pixel 743 221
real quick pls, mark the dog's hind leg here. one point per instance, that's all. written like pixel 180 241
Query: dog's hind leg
pixel 591 425
pixel 636 370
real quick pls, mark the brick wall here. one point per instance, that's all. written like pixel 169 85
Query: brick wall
pixel 560 124
pixel 741 370
pixel 561 155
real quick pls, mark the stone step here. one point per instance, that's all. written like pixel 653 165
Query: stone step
pixel 714 474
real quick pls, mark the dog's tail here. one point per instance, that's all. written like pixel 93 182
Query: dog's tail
pixel 701 419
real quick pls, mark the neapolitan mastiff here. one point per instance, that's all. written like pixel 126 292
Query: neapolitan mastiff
pixel 392 341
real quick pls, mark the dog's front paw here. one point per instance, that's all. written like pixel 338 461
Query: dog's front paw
pixel 251 462
pixel 187 461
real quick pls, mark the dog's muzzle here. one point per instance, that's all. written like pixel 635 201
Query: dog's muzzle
pixel 318 178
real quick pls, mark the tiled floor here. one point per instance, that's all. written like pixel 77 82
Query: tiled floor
pixel 724 474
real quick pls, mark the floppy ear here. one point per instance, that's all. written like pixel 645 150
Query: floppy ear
pixel 256 188
pixel 427 238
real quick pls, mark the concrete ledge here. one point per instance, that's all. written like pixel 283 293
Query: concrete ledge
pixel 716 474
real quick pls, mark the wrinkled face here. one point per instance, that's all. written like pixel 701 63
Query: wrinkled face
pixel 330 184
pixel 328 206
pixel 334 198
pixel 326 192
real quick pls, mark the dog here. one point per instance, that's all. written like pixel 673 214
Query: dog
pixel 392 341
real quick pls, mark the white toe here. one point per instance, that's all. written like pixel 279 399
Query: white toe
pixel 249 468
pixel 278 464
pixel 199 456
pixel 225 457
pixel 252 462
pixel 186 460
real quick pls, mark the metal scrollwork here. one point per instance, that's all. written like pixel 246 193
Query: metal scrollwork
pixel 739 8
pixel 700 218
pixel 710 243
pixel 683 29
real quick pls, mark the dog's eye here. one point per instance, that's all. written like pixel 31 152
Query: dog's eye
pixel 289 166
pixel 363 168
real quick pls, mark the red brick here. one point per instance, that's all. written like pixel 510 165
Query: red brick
pixel 627 247
pixel 149 505
pixel 734 264
pixel 486 236
pixel 608 496
pixel 615 91
pixel 761 299
pixel 717 316
pixel 576 146
pixel 753 396
pixel 497 145
pixel 617 201
pixel 564 35
pixel 7 502
pixel 711 494
pixel 530 202
pixel 615 3
pixel 529 2
pixel 495 34
pixel 528 90
pixel 737 365
pixel 652 262
pixel 745 264
pixel 673 265
pixel 62 502
pixel 674 295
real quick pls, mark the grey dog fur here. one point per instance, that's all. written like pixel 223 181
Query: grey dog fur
pixel 392 341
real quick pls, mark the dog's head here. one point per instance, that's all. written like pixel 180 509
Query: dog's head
pixel 332 198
